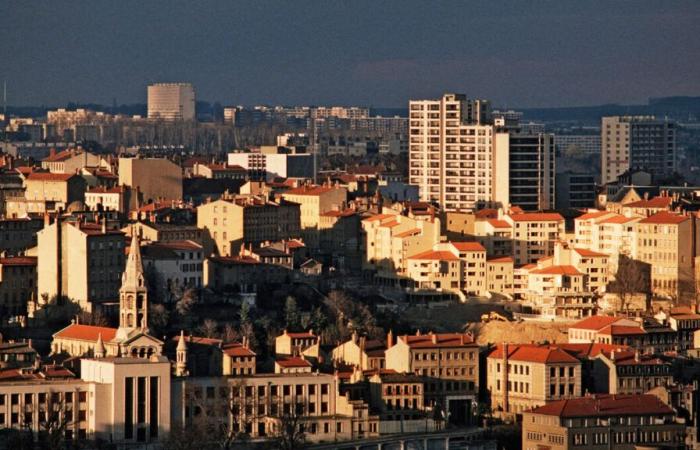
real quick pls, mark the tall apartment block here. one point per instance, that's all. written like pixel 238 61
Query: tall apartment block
pixel 637 143
pixel 532 171
pixel 171 101
pixel 455 157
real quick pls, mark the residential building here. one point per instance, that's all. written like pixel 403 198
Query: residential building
pixel 578 144
pixel 619 422
pixel 47 192
pixel 153 178
pixel 534 235
pixel 230 222
pixel 449 363
pixel 174 266
pixel 455 157
pixel 499 275
pixel 314 201
pixel 630 372
pixel 532 171
pixel 219 171
pixel 637 143
pixel 79 260
pixel 17 284
pixel 523 376
pixel 574 190
pixel 71 161
pixel 171 101
pixel 19 234
pixel 108 199
pixel 272 162
pixel 361 352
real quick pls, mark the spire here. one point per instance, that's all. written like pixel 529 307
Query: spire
pixel 181 356
pixel 100 351
pixel 133 272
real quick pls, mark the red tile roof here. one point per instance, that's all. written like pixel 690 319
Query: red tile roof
pixel 590 350
pixel 301 335
pixel 469 246
pixel 537 353
pixel 499 223
pixel 106 190
pixel 86 332
pixel 488 213
pixel 411 232
pixel 63 155
pixel 335 213
pixel 292 361
pixel 557 270
pixel 618 219
pixel 589 253
pixel 592 215
pixel 47 176
pixel 661 202
pixel 595 322
pixel 621 330
pixel 439 340
pixel 501 259
pixel 390 224
pixel 442 255
pixel 628 357
pixel 378 217
pixel 237 349
pixel 665 218
pixel 605 405
pixel 19 261
pixel 537 217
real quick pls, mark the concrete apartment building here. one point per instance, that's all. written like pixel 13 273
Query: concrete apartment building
pixel 17 284
pixel 524 376
pixel 121 400
pixel 455 158
pixel 621 371
pixel 637 143
pixel 534 235
pixel 232 221
pixel 154 178
pixel 532 171
pixel 271 162
pixel 71 161
pixel 588 144
pixel 80 260
pixel 616 422
pixel 47 192
pixel 171 101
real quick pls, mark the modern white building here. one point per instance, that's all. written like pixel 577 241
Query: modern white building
pixel 171 101
pixel 273 162
pixel 455 158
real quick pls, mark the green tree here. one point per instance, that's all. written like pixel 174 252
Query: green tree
pixel 291 314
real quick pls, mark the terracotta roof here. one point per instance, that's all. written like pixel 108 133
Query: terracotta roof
pixel 390 224
pixel 237 349
pixel 628 357
pixel 468 246
pixel 293 243
pixel 86 332
pixel 665 217
pixel 411 232
pixel 292 361
pixel 335 213
pixel 537 217
pixel 621 330
pixel 537 353
pixel 487 213
pixel 589 253
pixel 592 215
pixel 19 261
pixel 301 335
pixel 309 190
pixel 378 217
pixel 235 260
pixel 48 176
pixel 590 350
pixel 618 219
pixel 501 259
pixel 177 245
pixel 498 223
pixel 605 405
pixel 661 202
pixel 440 340
pixel 436 255
pixel 106 190
pixel 63 155
pixel 595 322
pixel 557 270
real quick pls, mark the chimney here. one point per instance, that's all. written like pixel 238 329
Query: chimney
pixel 637 356
pixel 389 339
pixel 433 338
pixel 612 355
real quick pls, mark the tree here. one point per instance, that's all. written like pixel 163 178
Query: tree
pixel 208 328
pixel 633 277
pixel 290 431
pixel 158 318
pixel 244 314
pixel 291 314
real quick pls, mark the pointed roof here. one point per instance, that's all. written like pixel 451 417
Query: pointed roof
pixel 100 346
pixel 181 344
pixel 133 272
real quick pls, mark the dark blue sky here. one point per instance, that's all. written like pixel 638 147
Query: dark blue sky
pixel 381 53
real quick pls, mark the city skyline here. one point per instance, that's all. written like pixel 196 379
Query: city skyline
pixel 377 55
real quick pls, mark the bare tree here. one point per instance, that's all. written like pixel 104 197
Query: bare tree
pixel 632 278
pixel 291 433
pixel 209 328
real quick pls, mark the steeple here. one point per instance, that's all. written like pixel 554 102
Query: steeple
pixel 133 295
pixel 100 350
pixel 181 356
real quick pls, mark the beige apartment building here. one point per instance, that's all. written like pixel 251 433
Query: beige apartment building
pixel 534 235
pixel 314 201
pixel 171 101
pixel 524 376
pixel 665 242
pixel 17 284
pixel 392 238
pixel 46 192
pixel 232 221
pixel 110 199
pixel 71 161
pixel 153 178
pixel 606 232
pixel 622 371
pixel 499 275
pixel 455 158
pixel 80 260
pixel 615 422
pixel 448 361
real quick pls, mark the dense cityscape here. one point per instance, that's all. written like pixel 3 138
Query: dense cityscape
pixel 451 272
